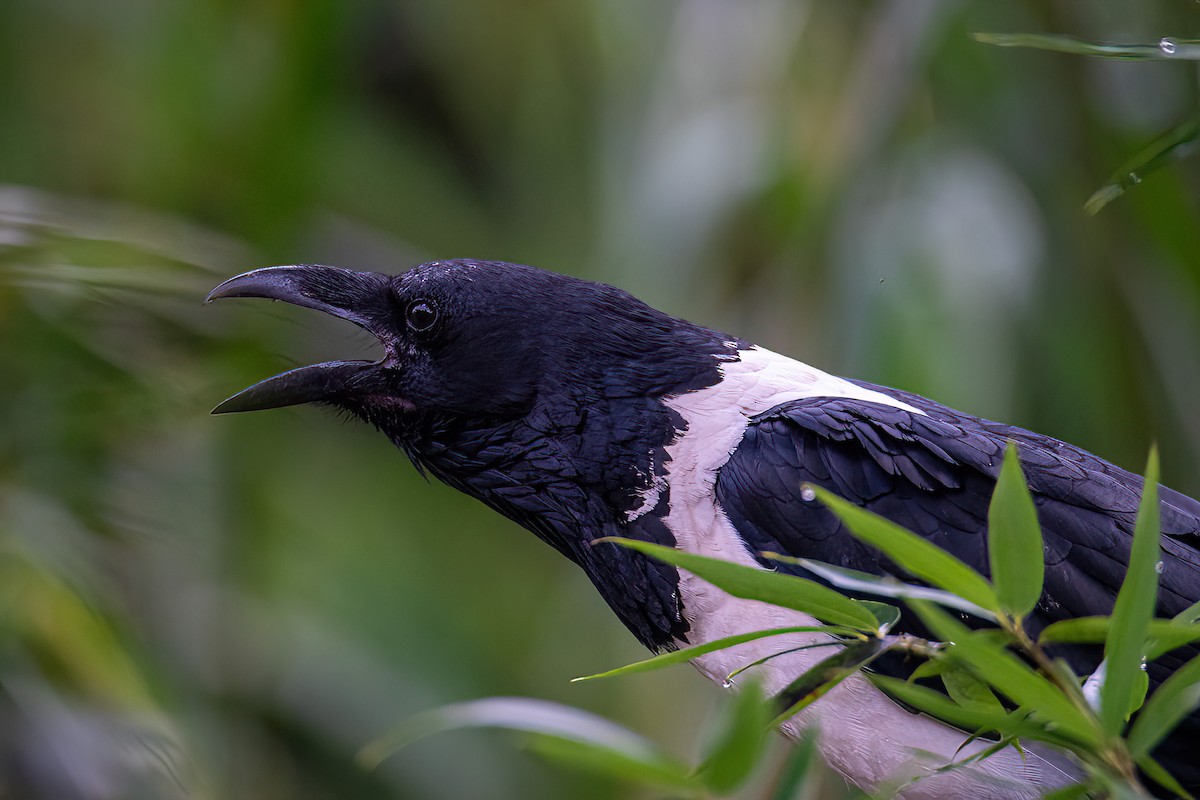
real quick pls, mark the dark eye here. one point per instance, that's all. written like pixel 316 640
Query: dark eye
pixel 421 315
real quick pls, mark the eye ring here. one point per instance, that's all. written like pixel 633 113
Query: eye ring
pixel 421 315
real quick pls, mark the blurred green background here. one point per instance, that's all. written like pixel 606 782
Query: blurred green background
pixel 230 607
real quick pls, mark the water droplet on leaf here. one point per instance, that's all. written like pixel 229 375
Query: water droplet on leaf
pixel 727 684
pixel 807 494
pixel 1134 178
pixel 1159 567
pixel 1167 46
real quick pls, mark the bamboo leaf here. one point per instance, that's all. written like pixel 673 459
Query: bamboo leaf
pixel 1159 775
pixel 1007 673
pixel 1171 702
pixel 1015 540
pixel 740 741
pixel 970 692
pixel 577 736
pixel 1163 636
pixel 852 580
pixel 1171 145
pixel 823 676
pixel 924 560
pixel 752 583
pixel 1125 645
pixel 688 653
pixel 1166 49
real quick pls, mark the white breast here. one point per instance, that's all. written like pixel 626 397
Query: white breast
pixel 863 734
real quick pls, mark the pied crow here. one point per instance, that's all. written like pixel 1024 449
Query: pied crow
pixel 580 412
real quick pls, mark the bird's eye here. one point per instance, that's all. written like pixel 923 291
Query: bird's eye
pixel 421 315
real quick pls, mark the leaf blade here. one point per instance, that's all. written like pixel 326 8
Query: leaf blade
pixel 753 583
pixel 925 560
pixel 1125 644
pixel 1015 540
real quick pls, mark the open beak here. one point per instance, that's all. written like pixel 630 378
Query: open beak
pixel 360 297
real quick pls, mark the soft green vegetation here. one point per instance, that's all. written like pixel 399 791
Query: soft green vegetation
pixel 231 608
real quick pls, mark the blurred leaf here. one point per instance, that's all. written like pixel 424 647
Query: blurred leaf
pixel 1124 648
pixel 1015 540
pixel 886 614
pixel 970 692
pixel 740 741
pixel 819 679
pixel 1165 49
pixel 1188 615
pixel 1176 143
pixel 1159 775
pixel 852 580
pixel 583 738
pixel 796 768
pixel 1006 672
pixel 915 555
pixel 688 653
pixel 752 583
pixel 1174 699
pixel 1075 790
pixel 1162 635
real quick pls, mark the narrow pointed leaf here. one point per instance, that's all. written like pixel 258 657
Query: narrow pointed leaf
pixel 1174 699
pixel 970 692
pixel 1163 636
pixel 1007 673
pixel 1174 144
pixel 1015 540
pixel 1165 49
pixel 740 741
pixel 922 559
pixel 852 580
pixel 822 677
pixel 753 583
pixel 1159 775
pixel 1125 645
pixel 688 653
pixel 589 737
pixel 1188 615
pixel 942 707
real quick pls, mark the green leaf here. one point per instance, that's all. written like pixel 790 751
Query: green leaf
pixel 942 707
pixel 1072 792
pixel 1166 49
pixel 852 580
pixel 1188 615
pixel 1171 145
pixel 1159 775
pixel 1015 540
pixel 1166 708
pixel 1006 672
pixel 740 741
pixel 1163 636
pixel 688 653
pixel 752 583
pixel 1125 646
pixel 970 692
pixel 585 737
pixel 819 679
pixel 915 555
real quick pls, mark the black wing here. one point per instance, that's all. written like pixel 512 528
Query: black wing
pixel 933 473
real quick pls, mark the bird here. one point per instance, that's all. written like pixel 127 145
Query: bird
pixel 580 412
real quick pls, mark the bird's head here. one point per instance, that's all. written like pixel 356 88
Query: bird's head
pixel 542 395
pixel 482 340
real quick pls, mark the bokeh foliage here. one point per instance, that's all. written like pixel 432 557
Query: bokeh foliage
pixel 232 607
